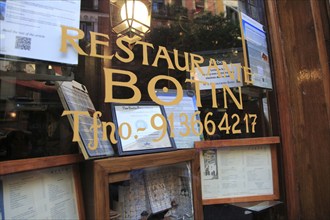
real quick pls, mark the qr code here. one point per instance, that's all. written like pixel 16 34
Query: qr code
pixel 23 43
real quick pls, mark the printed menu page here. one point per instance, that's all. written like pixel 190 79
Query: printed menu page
pixel 45 194
pixel 237 172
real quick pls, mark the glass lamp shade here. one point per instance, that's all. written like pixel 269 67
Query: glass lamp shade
pixel 130 17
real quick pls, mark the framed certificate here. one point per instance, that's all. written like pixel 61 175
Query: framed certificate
pixel 141 128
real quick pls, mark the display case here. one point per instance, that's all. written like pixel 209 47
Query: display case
pixel 154 186
pixel 49 193
pixel 240 170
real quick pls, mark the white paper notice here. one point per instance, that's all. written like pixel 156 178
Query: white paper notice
pixel 219 76
pixel 256 43
pixel 186 108
pixel 32 28
pixel 237 172
pixel 46 194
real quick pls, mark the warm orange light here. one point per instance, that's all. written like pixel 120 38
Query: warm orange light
pixel 135 10
pixel 12 114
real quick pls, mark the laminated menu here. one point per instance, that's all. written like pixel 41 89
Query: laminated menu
pixel 74 97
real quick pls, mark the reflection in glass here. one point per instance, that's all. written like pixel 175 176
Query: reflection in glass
pixel 154 193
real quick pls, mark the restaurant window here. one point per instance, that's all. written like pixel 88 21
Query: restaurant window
pixel 209 29
pixel 209 33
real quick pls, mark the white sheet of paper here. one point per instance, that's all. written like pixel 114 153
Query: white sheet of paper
pixel 32 29
pixel 188 107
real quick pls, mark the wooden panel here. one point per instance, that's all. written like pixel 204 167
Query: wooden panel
pixel 241 199
pixel 236 142
pixel 281 85
pixel 101 193
pixel 14 166
pixel 301 84
pixel 318 9
pixel 79 192
pixel 118 177
pixel 120 164
pixel 275 172
pixel 197 187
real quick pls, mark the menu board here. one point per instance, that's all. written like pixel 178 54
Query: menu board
pixel 257 52
pixel 232 172
pixel 32 29
pixel 41 194
pixel 74 97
